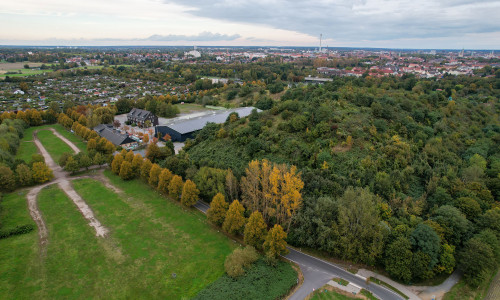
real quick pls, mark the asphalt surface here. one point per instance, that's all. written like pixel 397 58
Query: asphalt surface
pixel 318 272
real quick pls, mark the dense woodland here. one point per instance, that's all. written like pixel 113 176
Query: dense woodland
pixel 401 174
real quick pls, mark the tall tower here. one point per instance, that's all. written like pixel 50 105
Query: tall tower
pixel 320 38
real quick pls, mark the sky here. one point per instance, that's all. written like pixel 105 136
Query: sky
pixel 420 24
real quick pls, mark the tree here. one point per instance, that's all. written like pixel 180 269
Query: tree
pixel 7 179
pixel 91 145
pixel 99 159
pixel 154 175
pixel 175 187
pixel 235 220
pixel 41 172
pixel 164 180
pixel 231 185
pixel 218 209
pixel 189 193
pixel 359 233
pixel 126 170
pixel 454 223
pixel 129 156
pixel 23 174
pixel 210 181
pixel 137 163
pixel 255 230
pixel 71 165
pixel 425 239
pixel 476 261
pixel 398 259
pixel 85 161
pixel 275 244
pixel 145 169
pixel 117 163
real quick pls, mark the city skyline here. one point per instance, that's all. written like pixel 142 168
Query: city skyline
pixel 450 24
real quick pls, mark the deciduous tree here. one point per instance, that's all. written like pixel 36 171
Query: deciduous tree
pixel 218 209
pixel 126 170
pixel 23 175
pixel 117 163
pixel 189 193
pixel 255 230
pixel 41 172
pixel 275 244
pixel 145 169
pixel 175 187
pixel 164 180
pixel 154 175
pixel 235 220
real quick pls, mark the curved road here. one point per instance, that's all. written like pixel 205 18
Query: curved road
pixel 318 272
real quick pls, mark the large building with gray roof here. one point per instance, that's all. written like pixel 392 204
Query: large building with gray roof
pixel 113 136
pixel 182 129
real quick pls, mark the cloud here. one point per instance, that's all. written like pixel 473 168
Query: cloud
pixel 348 20
pixel 205 36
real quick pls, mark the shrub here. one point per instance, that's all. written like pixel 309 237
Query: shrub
pixel 240 259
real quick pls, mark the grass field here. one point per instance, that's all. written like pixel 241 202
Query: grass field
pixel 327 292
pixel 80 143
pixel 54 145
pixel 19 255
pixel 6 66
pixel 24 72
pixel 157 238
pixel 27 147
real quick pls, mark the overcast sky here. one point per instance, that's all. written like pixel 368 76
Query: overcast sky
pixel 431 24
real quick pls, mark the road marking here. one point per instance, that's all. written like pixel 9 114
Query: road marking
pixel 364 278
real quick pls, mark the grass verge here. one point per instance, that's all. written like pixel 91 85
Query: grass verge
pixel 380 282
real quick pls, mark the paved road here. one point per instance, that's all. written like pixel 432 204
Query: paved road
pixel 318 272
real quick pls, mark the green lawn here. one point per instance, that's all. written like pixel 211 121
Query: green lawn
pixel 80 143
pixel 27 148
pixel 326 293
pixel 24 72
pixel 156 238
pixel 19 255
pixel 54 145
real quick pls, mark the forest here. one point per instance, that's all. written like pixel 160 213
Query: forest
pixel 398 173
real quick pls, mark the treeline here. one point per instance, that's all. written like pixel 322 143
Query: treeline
pixel 400 173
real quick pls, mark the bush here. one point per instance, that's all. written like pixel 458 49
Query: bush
pixel 17 231
pixel 240 259
pixel 261 281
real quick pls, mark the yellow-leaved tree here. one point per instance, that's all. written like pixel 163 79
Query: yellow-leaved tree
pixel 41 172
pixel 235 220
pixel 275 244
pixel 218 209
pixel 189 193
pixel 164 180
pixel 154 175
pixel 175 187
pixel 255 230
pixel 117 163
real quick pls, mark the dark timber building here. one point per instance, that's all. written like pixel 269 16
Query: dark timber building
pixel 180 130
pixel 140 116
pixel 113 136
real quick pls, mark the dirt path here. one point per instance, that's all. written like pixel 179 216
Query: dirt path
pixel 37 217
pixel 67 187
pixel 68 142
pixel 437 291
pixel 63 180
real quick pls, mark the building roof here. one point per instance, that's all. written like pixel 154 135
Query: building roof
pixel 218 117
pixel 106 131
pixel 139 113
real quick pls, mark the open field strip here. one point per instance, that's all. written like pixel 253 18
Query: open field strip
pixel 20 260
pixel 158 236
pixel 54 145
